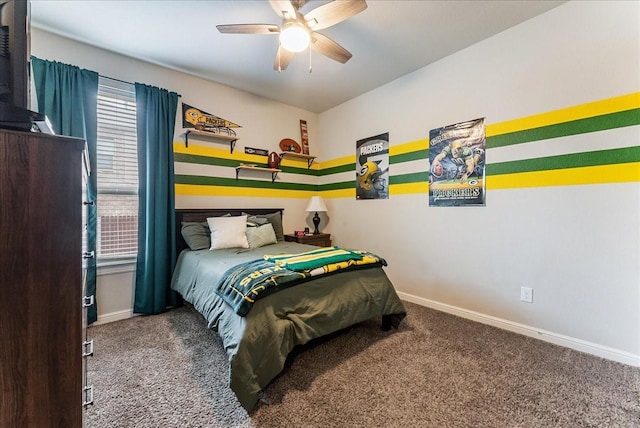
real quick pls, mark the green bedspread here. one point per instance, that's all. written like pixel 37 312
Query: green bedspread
pixel 245 283
pixel 258 344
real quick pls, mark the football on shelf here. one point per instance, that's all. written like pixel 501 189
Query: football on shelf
pixel 273 160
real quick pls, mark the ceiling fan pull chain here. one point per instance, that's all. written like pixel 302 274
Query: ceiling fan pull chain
pixel 310 69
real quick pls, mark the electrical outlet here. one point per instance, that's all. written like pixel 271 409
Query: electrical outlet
pixel 526 294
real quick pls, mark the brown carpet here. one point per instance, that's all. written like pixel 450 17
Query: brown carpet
pixel 437 370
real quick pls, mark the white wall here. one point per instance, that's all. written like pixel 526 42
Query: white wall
pixel 578 247
pixel 264 123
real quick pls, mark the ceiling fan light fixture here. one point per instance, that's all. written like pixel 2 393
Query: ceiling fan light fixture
pixel 294 37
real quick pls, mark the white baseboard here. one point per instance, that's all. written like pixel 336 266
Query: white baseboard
pixel 114 316
pixel 547 336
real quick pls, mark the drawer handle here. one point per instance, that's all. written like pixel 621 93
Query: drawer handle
pixel 87 301
pixel 88 396
pixel 87 255
pixel 87 348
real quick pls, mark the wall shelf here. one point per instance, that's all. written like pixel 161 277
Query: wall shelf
pixel 231 139
pixel 295 155
pixel 274 172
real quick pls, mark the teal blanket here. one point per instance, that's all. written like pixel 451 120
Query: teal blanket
pixel 314 258
pixel 243 284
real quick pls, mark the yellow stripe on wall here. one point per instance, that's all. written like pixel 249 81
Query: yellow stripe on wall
pixel 194 149
pixel 617 173
pixel 345 160
pixel 602 174
pixel 398 149
pixel 408 188
pixel 197 150
pixel 596 108
pixel 412 146
pixel 212 152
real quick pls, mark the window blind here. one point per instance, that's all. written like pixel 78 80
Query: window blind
pixel 117 176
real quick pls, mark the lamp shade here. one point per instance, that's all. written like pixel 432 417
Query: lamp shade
pixel 294 37
pixel 316 204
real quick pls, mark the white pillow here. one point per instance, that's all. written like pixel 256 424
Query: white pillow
pixel 261 236
pixel 228 232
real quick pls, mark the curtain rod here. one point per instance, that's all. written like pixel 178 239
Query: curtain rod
pixel 124 81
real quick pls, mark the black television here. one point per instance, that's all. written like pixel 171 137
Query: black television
pixel 15 47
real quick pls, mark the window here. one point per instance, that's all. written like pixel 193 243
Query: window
pixel 117 164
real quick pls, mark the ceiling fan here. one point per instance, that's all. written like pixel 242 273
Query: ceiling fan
pixel 299 31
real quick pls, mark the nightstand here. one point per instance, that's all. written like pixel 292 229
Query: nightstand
pixel 320 240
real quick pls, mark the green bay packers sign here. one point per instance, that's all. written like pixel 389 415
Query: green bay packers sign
pixel 456 156
pixel 203 121
pixel 372 167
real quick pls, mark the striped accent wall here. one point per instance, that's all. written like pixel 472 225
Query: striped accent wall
pixel 593 143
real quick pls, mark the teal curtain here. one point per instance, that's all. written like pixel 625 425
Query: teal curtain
pixel 155 115
pixel 68 96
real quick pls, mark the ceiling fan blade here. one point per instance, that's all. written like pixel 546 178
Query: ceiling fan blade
pixel 327 47
pixel 249 28
pixel 283 8
pixel 331 13
pixel 283 58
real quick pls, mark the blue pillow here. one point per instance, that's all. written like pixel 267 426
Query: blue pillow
pixel 274 218
pixel 196 235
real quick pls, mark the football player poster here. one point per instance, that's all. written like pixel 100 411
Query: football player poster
pixel 372 167
pixel 456 157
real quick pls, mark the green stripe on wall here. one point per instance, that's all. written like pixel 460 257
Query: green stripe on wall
pixel 216 161
pixel 337 186
pixel 202 180
pixel 582 126
pixel 393 159
pixel 551 165
pixel 576 160
pixel 409 178
pixel 408 157
pixel 301 171
pixel 204 160
pixel 415 177
pixel 594 124
pixel 350 167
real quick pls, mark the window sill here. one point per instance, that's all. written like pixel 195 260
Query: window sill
pixel 110 267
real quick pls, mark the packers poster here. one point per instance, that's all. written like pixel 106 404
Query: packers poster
pixel 456 158
pixel 372 167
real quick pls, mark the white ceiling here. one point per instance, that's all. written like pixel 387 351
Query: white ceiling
pixel 389 39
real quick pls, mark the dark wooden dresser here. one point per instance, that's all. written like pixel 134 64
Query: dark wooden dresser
pixel 41 341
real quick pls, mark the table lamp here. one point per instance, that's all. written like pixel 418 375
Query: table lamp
pixel 316 204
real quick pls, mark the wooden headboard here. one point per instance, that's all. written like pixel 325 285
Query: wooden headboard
pixel 201 214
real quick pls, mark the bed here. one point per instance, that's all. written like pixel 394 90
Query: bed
pixel 258 343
